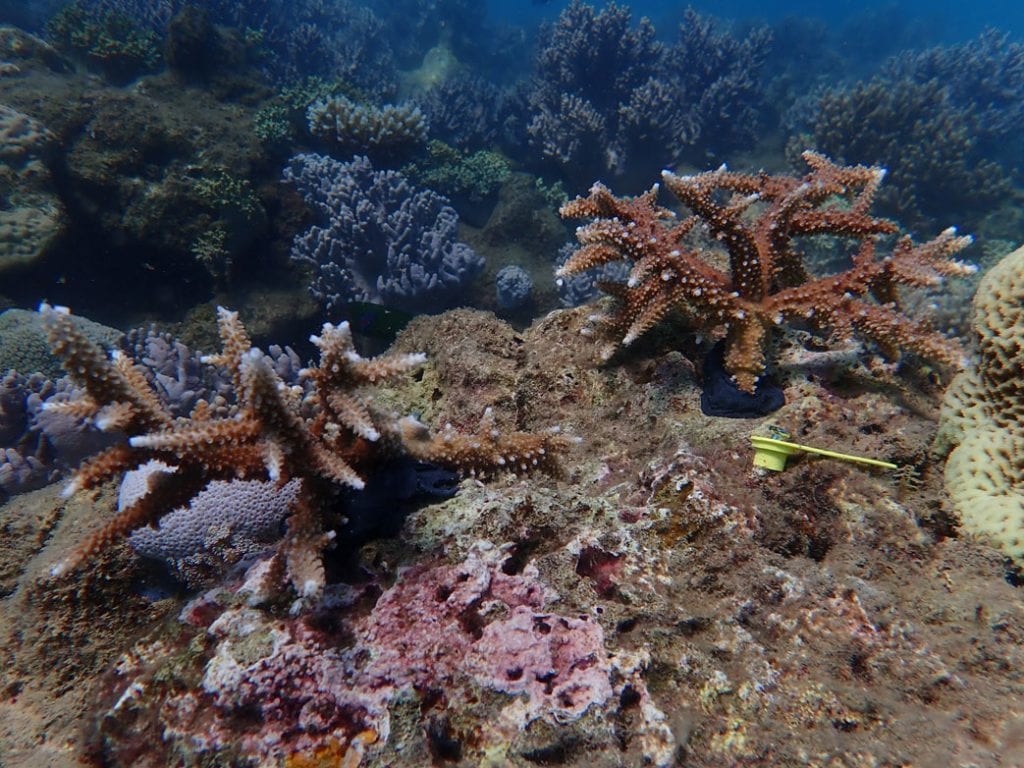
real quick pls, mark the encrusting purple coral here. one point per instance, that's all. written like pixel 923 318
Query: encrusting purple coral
pixel 224 522
pixel 378 238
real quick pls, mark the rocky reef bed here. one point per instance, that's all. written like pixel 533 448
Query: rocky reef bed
pixel 662 604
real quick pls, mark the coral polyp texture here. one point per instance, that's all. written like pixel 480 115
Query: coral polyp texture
pixel 983 416
pixel 760 219
pixel 326 435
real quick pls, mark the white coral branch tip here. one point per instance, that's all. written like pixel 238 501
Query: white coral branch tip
pixel 71 489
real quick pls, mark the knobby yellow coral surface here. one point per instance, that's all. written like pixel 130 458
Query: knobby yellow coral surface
pixel 983 416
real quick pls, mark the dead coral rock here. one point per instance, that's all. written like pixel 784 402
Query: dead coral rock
pixel 543 377
pixel 32 217
pixel 523 214
pixel 158 169
pixel 26 521
pixel 21 51
pixel 59 637
pixel 474 358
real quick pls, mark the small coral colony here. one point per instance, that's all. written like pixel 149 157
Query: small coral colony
pixel 324 434
pixel 387 162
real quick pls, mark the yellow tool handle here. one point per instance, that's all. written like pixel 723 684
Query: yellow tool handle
pixel 836 455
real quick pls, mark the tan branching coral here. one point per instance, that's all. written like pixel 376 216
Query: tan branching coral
pixel 759 219
pixel 327 435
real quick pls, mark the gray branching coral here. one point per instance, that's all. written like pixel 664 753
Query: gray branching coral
pixel 759 219
pixel 327 435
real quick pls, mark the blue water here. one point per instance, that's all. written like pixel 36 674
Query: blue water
pixel 947 21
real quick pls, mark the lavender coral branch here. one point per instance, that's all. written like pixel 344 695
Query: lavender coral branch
pixel 378 238
pixel 609 98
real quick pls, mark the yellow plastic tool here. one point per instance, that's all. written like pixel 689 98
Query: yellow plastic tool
pixel 772 452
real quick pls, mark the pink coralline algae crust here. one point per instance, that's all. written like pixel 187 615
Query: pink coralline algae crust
pixel 292 696
pixel 423 626
pixel 274 688
pixel 435 624
pixel 559 662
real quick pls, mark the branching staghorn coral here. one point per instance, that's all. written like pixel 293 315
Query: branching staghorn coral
pixel 327 436
pixel 758 219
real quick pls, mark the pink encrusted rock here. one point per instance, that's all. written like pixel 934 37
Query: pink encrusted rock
pixel 301 692
pixel 423 627
pixel 473 619
pixel 279 686
pixel 560 663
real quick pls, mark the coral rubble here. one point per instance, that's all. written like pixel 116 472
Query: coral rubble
pixel 759 220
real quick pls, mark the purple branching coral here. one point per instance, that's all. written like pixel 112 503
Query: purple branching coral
pixel 589 68
pixel 37 442
pixel 714 77
pixel 378 238
pixel 984 77
pixel 945 122
pixel 928 145
pixel 463 111
pixel 607 98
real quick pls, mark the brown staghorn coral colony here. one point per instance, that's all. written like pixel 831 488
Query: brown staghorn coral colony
pixel 326 435
pixel 757 219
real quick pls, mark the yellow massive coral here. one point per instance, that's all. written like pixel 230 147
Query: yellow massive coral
pixel 327 435
pixel 983 416
pixel 759 220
